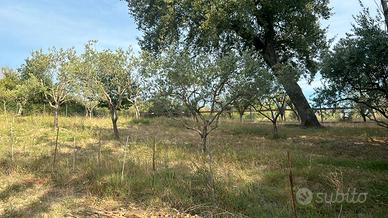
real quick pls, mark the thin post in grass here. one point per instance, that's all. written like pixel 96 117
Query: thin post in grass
pixel 211 175
pixel 290 176
pixel 154 155
pixel 99 150
pixel 124 159
pixel 12 139
pixel 166 156
pixel 5 107
pixel 208 164
pixel 153 162
pixel 56 149
pixel 74 154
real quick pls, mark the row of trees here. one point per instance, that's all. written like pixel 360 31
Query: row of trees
pixel 281 33
pixel 205 85
pixel 254 65
pixel 288 39
pixel 59 75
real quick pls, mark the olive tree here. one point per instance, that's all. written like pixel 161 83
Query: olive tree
pixel 8 82
pixel 87 97
pixel 110 71
pixel 271 105
pixel 253 80
pixel 54 70
pixel 206 84
pixel 13 88
pixel 201 84
pixel 282 32
pixel 135 97
pixel 25 91
pixel 356 70
pixel 86 89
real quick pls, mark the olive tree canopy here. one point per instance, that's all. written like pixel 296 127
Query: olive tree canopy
pixel 282 32
pixel 356 70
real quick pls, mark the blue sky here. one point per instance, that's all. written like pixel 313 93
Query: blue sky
pixel 27 25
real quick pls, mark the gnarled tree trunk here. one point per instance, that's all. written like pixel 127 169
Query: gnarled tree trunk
pixel 292 88
pixel 88 112
pixel 305 112
pixel 241 116
pixel 204 134
pixel 137 112
pixel 20 109
pixel 275 129
pixel 114 118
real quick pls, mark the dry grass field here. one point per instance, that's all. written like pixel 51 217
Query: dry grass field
pixel 165 173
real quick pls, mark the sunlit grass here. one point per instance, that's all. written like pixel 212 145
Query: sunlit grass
pixel 250 168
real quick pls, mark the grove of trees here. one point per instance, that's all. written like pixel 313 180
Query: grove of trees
pixel 356 70
pixel 282 33
pixel 166 128
pixel 202 59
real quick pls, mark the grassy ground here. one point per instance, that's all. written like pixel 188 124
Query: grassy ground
pixel 250 169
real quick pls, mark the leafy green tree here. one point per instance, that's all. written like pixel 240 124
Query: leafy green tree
pixel 283 32
pixel 110 71
pixel 55 70
pixel 253 79
pixel 37 65
pixel 25 91
pixel 4 97
pixel 242 104
pixel 356 69
pixel 162 105
pixel 363 111
pixel 86 90
pixel 271 105
pixel 206 84
pixel 8 83
pixel 87 97
pixel 14 89
pixel 135 97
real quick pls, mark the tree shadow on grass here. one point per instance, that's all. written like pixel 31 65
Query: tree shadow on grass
pixel 38 207
pixel 176 185
pixel 15 188
pixel 78 181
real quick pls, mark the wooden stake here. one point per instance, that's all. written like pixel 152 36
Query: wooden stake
pixel 153 155
pixel 74 154
pixel 99 151
pixel 124 160
pixel 56 149
pixel 153 162
pixel 211 177
pixel 293 200
pixel 12 139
